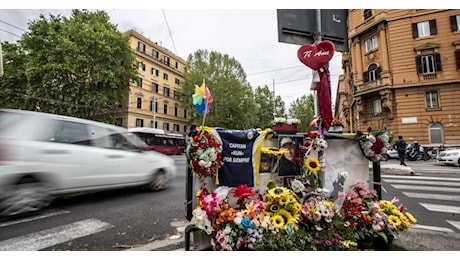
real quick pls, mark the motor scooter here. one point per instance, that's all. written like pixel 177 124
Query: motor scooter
pixel 412 154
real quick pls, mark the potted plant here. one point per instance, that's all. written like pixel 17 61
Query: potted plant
pixel 285 126
pixel 336 126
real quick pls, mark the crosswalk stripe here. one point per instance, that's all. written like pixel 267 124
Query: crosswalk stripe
pixel 50 237
pixel 441 208
pixel 437 183
pixel 425 188
pixel 43 215
pixel 456 224
pixel 432 196
pixel 420 178
pixel 442 229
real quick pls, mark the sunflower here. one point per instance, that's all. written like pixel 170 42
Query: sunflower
pixel 278 192
pixel 394 220
pixel 411 217
pixel 277 221
pixel 312 165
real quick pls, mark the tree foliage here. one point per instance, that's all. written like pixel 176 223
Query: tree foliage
pixel 303 108
pixel 79 66
pixel 234 106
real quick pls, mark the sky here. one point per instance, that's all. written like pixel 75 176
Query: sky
pixel 246 31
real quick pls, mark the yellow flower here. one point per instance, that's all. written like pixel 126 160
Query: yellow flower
pixel 278 192
pixel 274 151
pixel 411 217
pixel 312 165
pixel 277 221
pixel 395 220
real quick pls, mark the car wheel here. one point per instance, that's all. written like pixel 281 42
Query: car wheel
pixel 27 195
pixel 385 157
pixel 159 181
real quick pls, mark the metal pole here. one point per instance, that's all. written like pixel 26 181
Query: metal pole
pixel 274 99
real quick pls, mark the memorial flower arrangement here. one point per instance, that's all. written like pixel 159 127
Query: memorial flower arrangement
pixel 398 218
pixel 374 143
pixel 283 120
pixel 205 155
pixel 337 122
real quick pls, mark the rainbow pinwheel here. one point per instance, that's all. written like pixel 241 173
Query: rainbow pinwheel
pixel 202 99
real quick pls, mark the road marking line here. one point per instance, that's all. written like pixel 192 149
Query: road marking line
pixel 420 178
pixel 44 215
pixel 446 183
pixel 456 224
pixel 441 208
pixel 425 188
pixel 442 229
pixel 50 237
pixel 432 196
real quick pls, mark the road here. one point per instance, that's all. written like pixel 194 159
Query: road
pixel 139 220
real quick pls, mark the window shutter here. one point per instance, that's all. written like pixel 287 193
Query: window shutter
pixel 457 58
pixel 366 76
pixel 414 30
pixel 379 71
pixel 418 64
pixel 433 29
pixel 437 61
pixel 453 23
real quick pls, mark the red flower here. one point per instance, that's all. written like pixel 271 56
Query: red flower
pixel 369 129
pixel 359 133
pixel 243 191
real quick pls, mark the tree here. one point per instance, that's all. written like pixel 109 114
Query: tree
pixel 265 107
pixel 13 84
pixel 233 106
pixel 303 108
pixel 79 66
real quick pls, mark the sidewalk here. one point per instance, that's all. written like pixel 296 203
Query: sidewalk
pixel 418 238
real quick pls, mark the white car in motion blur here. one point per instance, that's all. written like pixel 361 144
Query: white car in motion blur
pixel 451 157
pixel 45 155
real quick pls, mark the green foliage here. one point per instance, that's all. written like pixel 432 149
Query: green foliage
pixel 265 103
pixel 303 108
pixel 234 104
pixel 79 66
pixel 300 240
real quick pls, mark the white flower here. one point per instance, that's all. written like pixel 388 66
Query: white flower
pixel 200 220
pixel 345 175
pixel 279 120
pixel 297 186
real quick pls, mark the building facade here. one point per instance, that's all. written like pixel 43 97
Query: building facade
pixel 402 73
pixel 153 100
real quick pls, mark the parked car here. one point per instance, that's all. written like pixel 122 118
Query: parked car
pixel 45 155
pixel 450 157
pixel 390 154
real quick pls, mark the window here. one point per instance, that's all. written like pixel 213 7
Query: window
pixel 152 104
pixel 166 60
pixel 457 58
pixel 166 91
pixel 432 100
pixel 427 64
pixel 455 23
pixel 155 54
pixel 185 129
pixel 177 81
pixel 372 74
pixel 139 82
pixel 176 94
pixel 165 76
pixel 176 111
pixel 119 121
pixel 165 109
pixel 166 126
pixel 155 87
pixel 154 72
pixel 139 102
pixel 177 65
pixel 72 133
pixel 141 47
pixel 185 113
pixel 367 13
pixel 176 127
pixel 371 44
pixel 139 122
pixel 436 133
pixel 155 105
pixel 423 29
pixel 376 106
pixel 141 66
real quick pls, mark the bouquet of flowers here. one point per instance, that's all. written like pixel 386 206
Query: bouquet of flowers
pixel 398 218
pixel 337 122
pixel 205 155
pixel 374 143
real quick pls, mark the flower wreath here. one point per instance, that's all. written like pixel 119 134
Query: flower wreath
pixel 205 155
pixel 374 143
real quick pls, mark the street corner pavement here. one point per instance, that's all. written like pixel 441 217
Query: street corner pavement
pixel 422 239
